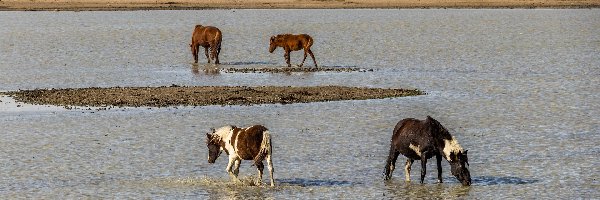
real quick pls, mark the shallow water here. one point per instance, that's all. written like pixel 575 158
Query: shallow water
pixel 518 88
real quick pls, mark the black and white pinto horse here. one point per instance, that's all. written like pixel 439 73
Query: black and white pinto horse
pixel 421 140
pixel 251 143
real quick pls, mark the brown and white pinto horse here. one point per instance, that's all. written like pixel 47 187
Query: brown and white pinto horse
pixel 207 37
pixel 290 43
pixel 251 143
pixel 421 140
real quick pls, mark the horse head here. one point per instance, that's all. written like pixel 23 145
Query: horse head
pixel 214 148
pixel 454 153
pixel 272 44
pixel 459 163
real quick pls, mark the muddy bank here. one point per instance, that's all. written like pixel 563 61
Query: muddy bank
pixel 85 5
pixel 200 96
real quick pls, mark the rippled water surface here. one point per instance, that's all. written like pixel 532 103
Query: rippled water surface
pixel 518 88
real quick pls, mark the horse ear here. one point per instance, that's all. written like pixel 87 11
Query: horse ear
pixel 272 38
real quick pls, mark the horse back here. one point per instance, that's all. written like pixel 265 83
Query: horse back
pixel 412 133
pixel 206 34
pixel 247 141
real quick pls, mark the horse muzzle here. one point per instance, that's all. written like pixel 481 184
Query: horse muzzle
pixel 466 182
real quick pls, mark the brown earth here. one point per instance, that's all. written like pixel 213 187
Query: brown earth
pixel 79 5
pixel 200 95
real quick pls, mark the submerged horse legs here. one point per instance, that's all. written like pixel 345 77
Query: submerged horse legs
pixel 270 165
pixel 206 53
pixel 214 52
pixel 312 56
pixel 423 167
pixel 287 58
pixel 260 166
pixel 236 167
pixel 439 167
pixel 232 160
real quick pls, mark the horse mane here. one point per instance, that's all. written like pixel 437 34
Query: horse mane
pixel 219 134
pixel 450 143
pixel 281 35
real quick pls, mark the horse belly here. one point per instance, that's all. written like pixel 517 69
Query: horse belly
pixel 409 153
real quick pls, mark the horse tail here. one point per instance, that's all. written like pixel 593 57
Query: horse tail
pixel 218 38
pixel 310 42
pixel 265 147
pixel 390 164
pixel 217 48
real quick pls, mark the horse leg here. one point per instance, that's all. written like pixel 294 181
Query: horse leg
pixel 390 164
pixel 206 53
pixel 217 57
pixel 260 166
pixel 312 56
pixel 270 165
pixel 423 166
pixel 287 58
pixel 195 52
pixel 236 167
pixel 213 52
pixel 407 166
pixel 232 160
pixel 439 167
pixel 303 58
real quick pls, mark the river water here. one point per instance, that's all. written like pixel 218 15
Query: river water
pixel 518 88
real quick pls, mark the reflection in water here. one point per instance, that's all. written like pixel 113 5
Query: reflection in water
pixel 208 69
pixel 249 63
pixel 412 190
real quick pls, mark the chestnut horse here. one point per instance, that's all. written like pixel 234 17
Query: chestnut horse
pixel 290 43
pixel 421 140
pixel 207 37
pixel 251 143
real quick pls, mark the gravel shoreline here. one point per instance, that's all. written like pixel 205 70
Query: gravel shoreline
pixel 200 95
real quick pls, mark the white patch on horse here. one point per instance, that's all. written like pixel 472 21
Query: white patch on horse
pixel 224 134
pixel 236 140
pixel 416 149
pixel 451 146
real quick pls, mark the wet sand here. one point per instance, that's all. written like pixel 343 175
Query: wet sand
pixel 295 69
pixel 84 5
pixel 200 95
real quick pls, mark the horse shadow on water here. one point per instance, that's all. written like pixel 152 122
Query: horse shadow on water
pixel 312 182
pixel 508 180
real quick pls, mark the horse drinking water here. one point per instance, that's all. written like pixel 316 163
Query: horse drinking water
pixel 251 143
pixel 207 37
pixel 421 140
pixel 290 43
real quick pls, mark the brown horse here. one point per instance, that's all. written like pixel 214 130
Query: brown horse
pixel 290 43
pixel 251 143
pixel 207 37
pixel 423 139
